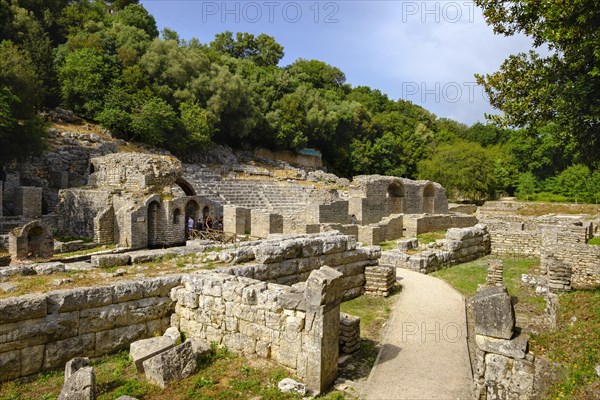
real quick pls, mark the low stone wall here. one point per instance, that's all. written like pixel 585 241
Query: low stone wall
pixel 416 224
pixel 460 245
pixel 389 228
pixel 296 327
pixel 44 331
pixel 566 257
pixel 289 260
pixel 514 238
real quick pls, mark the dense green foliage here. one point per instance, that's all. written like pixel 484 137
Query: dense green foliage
pixel 560 86
pixel 106 61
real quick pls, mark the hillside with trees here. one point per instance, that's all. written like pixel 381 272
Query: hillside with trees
pixel 107 61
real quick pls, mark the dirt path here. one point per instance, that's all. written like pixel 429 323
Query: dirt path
pixel 424 353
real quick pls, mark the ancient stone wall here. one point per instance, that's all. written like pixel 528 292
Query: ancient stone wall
pixel 514 238
pixel 416 224
pixel 296 327
pixel 335 213
pixel 28 202
pixel 33 240
pixel 291 260
pixel 236 220
pixel 460 245
pixel 135 172
pixel 389 228
pixel 264 223
pixel 44 331
pixel 568 258
pixel 78 208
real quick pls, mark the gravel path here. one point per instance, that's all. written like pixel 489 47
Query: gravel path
pixel 424 353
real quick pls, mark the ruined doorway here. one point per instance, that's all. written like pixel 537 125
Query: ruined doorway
pixel 395 198
pixel 35 240
pixel 191 210
pixel 429 199
pixel 153 232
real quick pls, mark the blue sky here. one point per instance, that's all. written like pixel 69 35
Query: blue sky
pixel 423 51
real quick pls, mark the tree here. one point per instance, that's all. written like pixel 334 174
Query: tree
pixel 562 86
pixel 152 120
pixel 85 78
pixel 137 16
pixel 195 121
pixel 263 50
pixel 527 185
pixel 574 181
pixel 465 169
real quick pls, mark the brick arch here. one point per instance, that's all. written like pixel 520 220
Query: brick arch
pixel 187 188
pixel 395 197
pixel 429 199
pixel 32 240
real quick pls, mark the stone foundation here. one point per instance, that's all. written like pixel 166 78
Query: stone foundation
pixel 349 333
pixel 296 328
pixel 495 273
pixel 290 260
pixel 459 246
pixel 379 280
pixel 44 331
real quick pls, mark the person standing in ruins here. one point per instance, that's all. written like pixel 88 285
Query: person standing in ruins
pixel 190 225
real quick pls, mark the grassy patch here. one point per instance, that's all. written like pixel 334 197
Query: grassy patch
pixel 221 376
pixel 430 237
pixel 373 311
pixel 595 241
pixel 575 344
pixel 84 251
pixel 544 208
pixel 388 245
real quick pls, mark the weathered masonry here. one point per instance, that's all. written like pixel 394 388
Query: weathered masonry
pixel 283 306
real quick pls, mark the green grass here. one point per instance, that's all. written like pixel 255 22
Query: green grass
pixel 430 237
pixel 373 311
pixel 595 241
pixel 388 245
pixel 575 344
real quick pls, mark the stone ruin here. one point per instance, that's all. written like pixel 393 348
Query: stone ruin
pixel 283 305
pixel 503 368
pixel 129 201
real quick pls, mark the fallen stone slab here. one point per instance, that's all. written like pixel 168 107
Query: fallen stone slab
pixel 110 260
pixel 49 268
pixel 172 365
pixel 80 386
pixel 514 348
pixel 75 365
pixel 494 313
pixel 174 334
pixel 289 385
pixel 144 349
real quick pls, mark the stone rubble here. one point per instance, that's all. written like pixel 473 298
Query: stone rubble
pixel 171 365
pixel 80 381
pixel 379 280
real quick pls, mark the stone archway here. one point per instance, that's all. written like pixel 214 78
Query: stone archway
pixel 32 240
pixel 153 225
pixel 187 188
pixel 395 198
pixel 429 199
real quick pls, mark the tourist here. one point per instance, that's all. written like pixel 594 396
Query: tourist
pixel 353 219
pixel 199 224
pixel 208 223
pixel 218 225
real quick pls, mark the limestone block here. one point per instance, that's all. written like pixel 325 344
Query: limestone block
pixel 174 334
pixel 144 349
pixel 126 291
pixel 494 313
pixel 75 365
pixel 32 359
pixel 118 339
pixel 80 386
pixel 174 364
pixel 103 318
pixel 24 307
pixel 59 352
pixel 323 287
pixel 49 268
pixel 515 348
pixel 237 256
pixel 76 299
pixel 288 385
pixel 110 260
pixel 10 365
pixel 407 244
